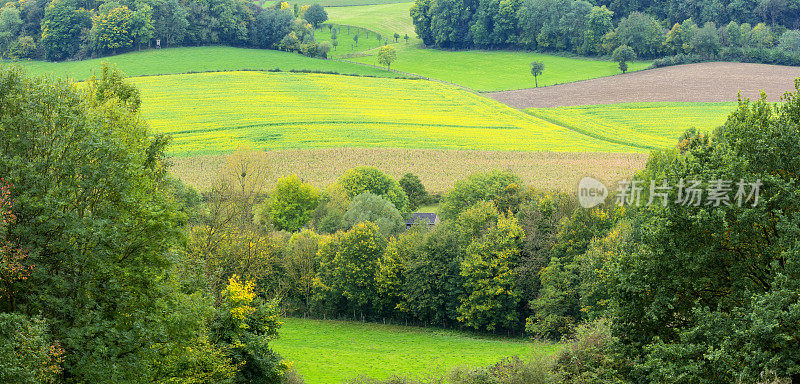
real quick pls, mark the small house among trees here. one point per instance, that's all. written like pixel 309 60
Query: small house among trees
pixel 417 218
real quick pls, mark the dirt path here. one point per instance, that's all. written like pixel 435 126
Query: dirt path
pixel 703 82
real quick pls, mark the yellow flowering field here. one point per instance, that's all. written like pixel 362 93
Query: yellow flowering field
pixel 644 125
pixel 218 112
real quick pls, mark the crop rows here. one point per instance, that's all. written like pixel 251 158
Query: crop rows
pixel 643 125
pixel 211 113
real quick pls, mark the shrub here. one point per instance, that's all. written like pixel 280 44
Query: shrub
pixel 590 356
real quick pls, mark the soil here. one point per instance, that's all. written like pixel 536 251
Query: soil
pixel 703 82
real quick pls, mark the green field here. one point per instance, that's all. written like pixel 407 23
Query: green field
pixel 386 19
pixel 199 59
pixel 263 110
pixel 644 125
pixel 331 352
pixel 497 70
pixel 347 3
pixel 367 40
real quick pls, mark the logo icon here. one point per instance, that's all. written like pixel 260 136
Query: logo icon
pixel 591 192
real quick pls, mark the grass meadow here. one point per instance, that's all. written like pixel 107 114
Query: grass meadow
pixel 269 111
pixel 488 71
pixel 367 40
pixel 386 19
pixel 644 125
pixel 347 3
pixel 331 352
pixel 200 59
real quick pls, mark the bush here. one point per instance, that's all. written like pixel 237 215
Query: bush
pixel 536 369
pixel 590 356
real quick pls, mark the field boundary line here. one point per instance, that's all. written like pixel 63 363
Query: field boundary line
pixel 586 132
pixel 415 75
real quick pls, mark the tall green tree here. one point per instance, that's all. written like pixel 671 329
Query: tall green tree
pixel 63 27
pixel 316 15
pixel 96 217
pixel 489 278
pixel 291 203
pixel 349 264
pixel 711 293
pixel 537 67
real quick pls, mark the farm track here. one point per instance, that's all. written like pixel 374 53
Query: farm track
pixel 703 82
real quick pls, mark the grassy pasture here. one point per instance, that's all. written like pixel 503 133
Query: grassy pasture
pixel 331 352
pixel 386 19
pixel 200 59
pixel 367 40
pixel 497 70
pixel 645 125
pixel 438 169
pixel 271 111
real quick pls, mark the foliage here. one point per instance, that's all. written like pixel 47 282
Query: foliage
pixel 489 275
pixel 63 25
pixel 537 67
pixel 291 203
pixel 591 356
pixel 373 208
pixel 623 54
pixel 349 263
pixel 30 355
pixel 504 189
pixel 557 310
pixel 243 327
pixel 270 27
pixel 386 55
pixel 706 293
pixel 370 179
pixel 315 15
pixel 96 215
pixel 416 192
pixel 300 266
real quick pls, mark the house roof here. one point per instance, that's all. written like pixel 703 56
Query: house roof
pixel 418 217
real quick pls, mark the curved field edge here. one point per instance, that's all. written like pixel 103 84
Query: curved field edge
pixel 643 125
pixel 438 169
pixel 200 59
pixel 270 111
pixel 330 352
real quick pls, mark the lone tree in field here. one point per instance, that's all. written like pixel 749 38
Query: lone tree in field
pixel 406 38
pixel 355 40
pixel 622 55
pixel 387 55
pixel 316 15
pixel 537 67
pixel 396 37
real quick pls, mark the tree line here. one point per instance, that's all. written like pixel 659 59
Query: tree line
pixel 735 30
pixel 78 29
